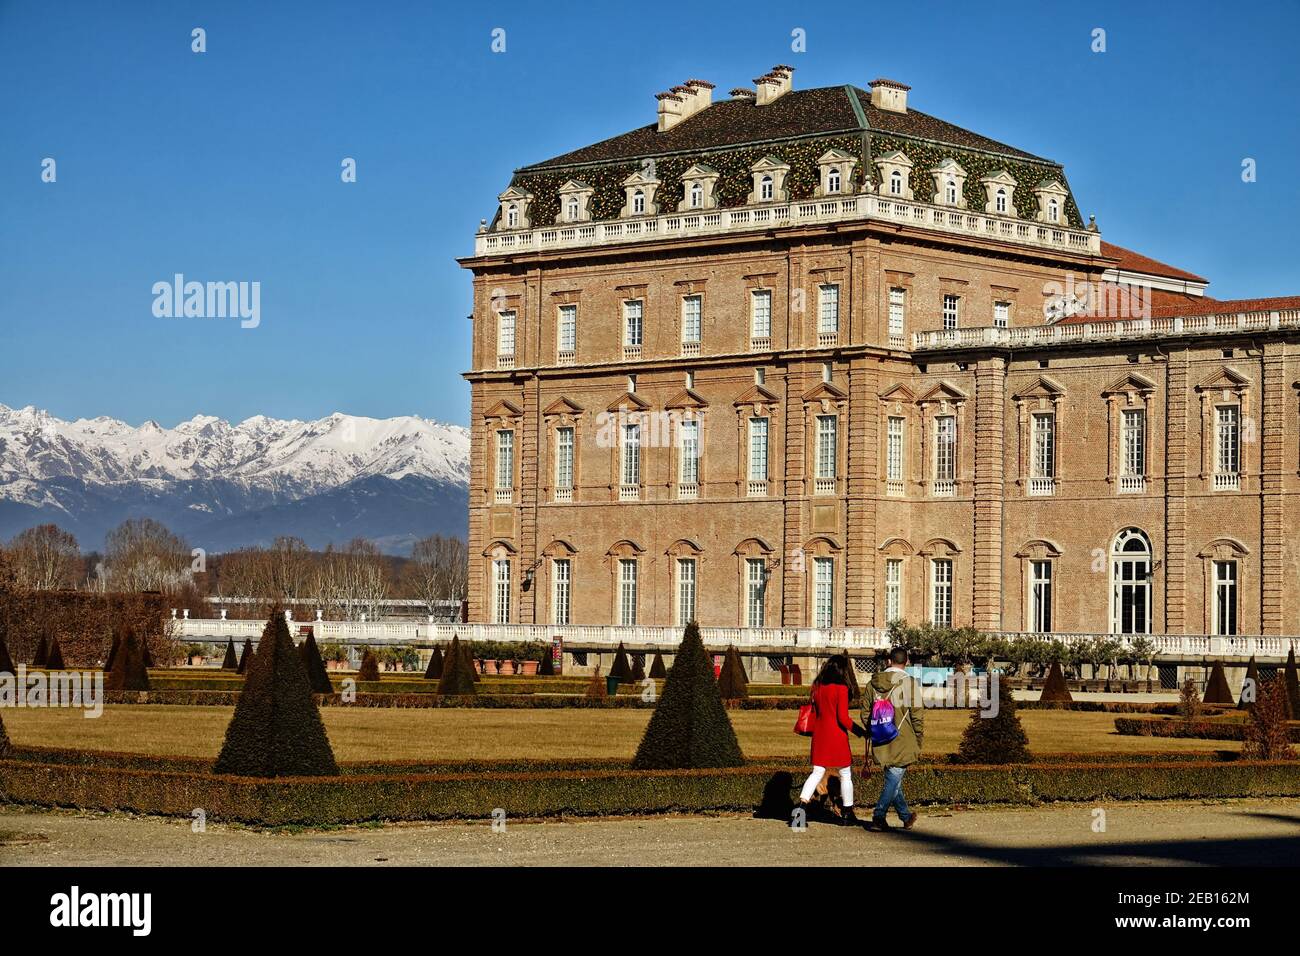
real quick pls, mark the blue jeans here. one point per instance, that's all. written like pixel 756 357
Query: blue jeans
pixel 891 794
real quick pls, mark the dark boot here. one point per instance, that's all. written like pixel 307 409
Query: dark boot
pixel 848 818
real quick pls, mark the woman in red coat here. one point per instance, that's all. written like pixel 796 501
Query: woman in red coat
pixel 830 733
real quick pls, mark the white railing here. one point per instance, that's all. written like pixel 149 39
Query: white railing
pixel 791 639
pixel 750 218
pixel 823 486
pixel 894 487
pixel 827 340
pixel 631 352
pixel 629 492
pixel 1132 484
pixel 688 492
pixel 1227 481
pixel 502 496
pixel 690 349
pixel 565 357
pixel 1042 487
pixel 505 361
pixel 756 488
pixel 897 340
pixel 763 344
pixel 564 494
pixel 1106 330
pixel 943 488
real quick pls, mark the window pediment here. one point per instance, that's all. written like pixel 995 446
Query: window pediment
pixel 825 392
pixel 684 548
pixel 502 410
pixel 896 546
pixel 1224 378
pixel 752 547
pixel 559 548
pixel 1223 549
pixel 563 407
pixel 687 398
pixel 624 549
pixel 628 401
pixel 939 547
pixel 943 392
pixel 1039 550
pixel 1042 388
pixel 1129 384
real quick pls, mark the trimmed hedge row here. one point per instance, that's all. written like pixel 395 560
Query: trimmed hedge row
pixel 356 798
pixel 556 701
pixel 1198 729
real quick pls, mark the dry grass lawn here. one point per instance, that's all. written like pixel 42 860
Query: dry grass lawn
pixel 401 734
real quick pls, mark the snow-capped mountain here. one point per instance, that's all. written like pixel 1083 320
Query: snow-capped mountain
pixel 223 486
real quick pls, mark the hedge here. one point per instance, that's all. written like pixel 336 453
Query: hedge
pixel 1198 729
pixel 356 798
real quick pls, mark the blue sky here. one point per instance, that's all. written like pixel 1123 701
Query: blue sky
pixel 225 165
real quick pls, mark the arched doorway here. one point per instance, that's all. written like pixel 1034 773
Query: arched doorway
pixel 1130 583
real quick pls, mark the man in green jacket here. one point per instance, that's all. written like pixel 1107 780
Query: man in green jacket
pixel 903 692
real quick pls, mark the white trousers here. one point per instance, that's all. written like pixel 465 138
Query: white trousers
pixel 814 778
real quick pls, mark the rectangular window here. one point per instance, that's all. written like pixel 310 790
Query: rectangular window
pixel 893 589
pixel 945 448
pixel 685 591
pixel 631 470
pixel 501 592
pixel 824 592
pixel 567 335
pixel 632 329
pixel 1225 598
pixel 897 312
pixel 1040 596
pixel 627 592
pixel 506 335
pixel 1133 443
pixel 505 460
pixel 760 314
pixel 826 425
pixel 758 449
pixel 894 449
pixel 941 592
pixel 1001 314
pixel 1228 439
pixel 561 600
pixel 691 310
pixel 828 309
pixel 755 592
pixel 689 461
pixel 564 457
pixel 1043 461
pixel 951 311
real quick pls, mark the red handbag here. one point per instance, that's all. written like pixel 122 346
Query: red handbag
pixel 803 725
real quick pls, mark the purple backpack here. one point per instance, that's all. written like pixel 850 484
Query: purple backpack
pixel 883 728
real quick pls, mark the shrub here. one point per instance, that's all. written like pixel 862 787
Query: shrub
pixel 369 669
pixel 228 663
pixel 434 670
pixel 1249 686
pixel 244 656
pixel 129 672
pixel 457 671
pixel 1267 736
pixel 638 668
pixel 1055 690
pixel 689 727
pixel 547 666
pixel 54 660
pixel 1000 739
pixel 732 682
pixel 596 686
pixel 1292 686
pixel 657 669
pixel 1216 688
pixel 276 730
pixel 621 669
pixel 316 675
pixel 42 655
pixel 146 653
pixel 6 662
pixel 113 648
pixel 1189 701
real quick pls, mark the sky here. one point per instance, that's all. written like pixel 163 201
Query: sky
pixel 226 165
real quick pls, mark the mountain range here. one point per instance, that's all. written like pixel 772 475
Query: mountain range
pixel 222 486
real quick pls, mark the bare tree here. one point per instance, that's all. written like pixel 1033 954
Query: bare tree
pixel 364 578
pixel 45 558
pixel 141 554
pixel 438 569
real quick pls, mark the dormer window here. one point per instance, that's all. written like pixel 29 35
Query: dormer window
pixel 1000 201
pixel 573 208
pixel 833 181
pixel 950 193
pixel 638 203
pixel 1053 211
pixel 769 178
pixel 640 189
pixel 999 193
pixel 896 183
pixel 697 196
pixel 836 172
pixel 512 216
pixel 949 184
pixel 513 212
pixel 765 189
pixel 1051 196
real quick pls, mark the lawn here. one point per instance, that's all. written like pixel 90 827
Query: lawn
pixel 399 734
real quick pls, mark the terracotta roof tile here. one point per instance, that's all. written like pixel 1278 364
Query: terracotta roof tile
pixel 1131 261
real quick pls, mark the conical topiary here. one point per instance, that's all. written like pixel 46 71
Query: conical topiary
pixel 732 684
pixel 147 654
pixel 228 663
pixel 638 668
pixel 472 664
pixel 596 686
pixel 434 670
pixel 114 646
pixel 1249 686
pixel 317 676
pixel 997 738
pixel 54 660
pixel 1267 735
pixel 277 730
pixel 42 652
pixel 369 669
pixel 457 671
pixel 689 727
pixel 1292 686
pixel 657 669
pixel 547 666
pixel 245 655
pixel 1055 689
pixel 6 662
pixel 128 671
pixel 621 669
pixel 1216 688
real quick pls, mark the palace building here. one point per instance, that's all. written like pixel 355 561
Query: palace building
pixel 816 359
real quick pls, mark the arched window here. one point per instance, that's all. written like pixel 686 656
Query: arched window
pixel 765 189
pixel 833 180
pixel 512 216
pixel 573 209
pixel 951 193
pixel 1130 583
pixel 697 195
pixel 638 202
pixel 1000 200
pixel 1053 211
pixel 896 183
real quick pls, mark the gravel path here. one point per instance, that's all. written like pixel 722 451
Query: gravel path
pixel 1253 832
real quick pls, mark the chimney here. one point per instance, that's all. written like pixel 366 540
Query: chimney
pixel 702 90
pixel 889 95
pixel 774 84
pixel 670 110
